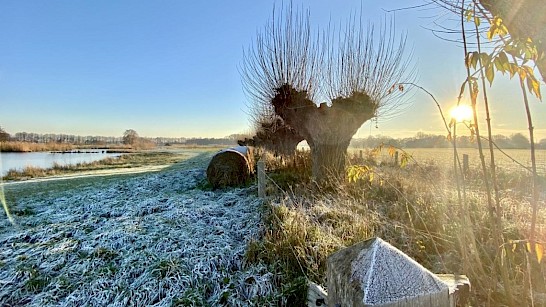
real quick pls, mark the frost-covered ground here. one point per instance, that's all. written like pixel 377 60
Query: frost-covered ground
pixel 152 239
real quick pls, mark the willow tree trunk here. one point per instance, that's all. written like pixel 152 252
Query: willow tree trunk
pixel 327 129
pixel 328 159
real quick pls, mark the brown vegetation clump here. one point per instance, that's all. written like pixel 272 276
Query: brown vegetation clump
pixel 33 147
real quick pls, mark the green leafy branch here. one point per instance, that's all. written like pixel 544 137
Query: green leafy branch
pixel 523 49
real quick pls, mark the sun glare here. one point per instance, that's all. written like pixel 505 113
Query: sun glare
pixel 461 113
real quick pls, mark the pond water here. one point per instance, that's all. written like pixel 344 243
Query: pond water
pixel 19 160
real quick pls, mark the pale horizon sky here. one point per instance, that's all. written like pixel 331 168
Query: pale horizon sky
pixel 170 68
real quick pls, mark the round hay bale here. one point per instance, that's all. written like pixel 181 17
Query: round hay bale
pixel 230 167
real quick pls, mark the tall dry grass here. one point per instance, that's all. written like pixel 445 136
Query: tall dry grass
pixel 32 147
pixel 415 209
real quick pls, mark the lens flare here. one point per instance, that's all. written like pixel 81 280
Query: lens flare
pixel 462 113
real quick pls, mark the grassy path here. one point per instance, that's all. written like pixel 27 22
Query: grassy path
pixel 131 240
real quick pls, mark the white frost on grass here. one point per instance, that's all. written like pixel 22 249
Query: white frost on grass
pixel 149 240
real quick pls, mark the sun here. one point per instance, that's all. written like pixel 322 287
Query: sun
pixel 461 113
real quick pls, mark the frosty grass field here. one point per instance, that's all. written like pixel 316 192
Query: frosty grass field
pixel 145 239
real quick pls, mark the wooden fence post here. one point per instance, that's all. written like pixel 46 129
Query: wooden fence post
pixel 360 159
pixel 465 164
pixel 261 178
pixel 396 158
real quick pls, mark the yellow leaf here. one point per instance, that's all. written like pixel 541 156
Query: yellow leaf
pixel 498 65
pixel 392 151
pixel 468 59
pixel 522 73
pixel 461 92
pixel 485 58
pixel 468 14
pixel 503 31
pixel 477 21
pixel 534 86
pixel 497 21
pixel 512 69
pixel 514 246
pixel 539 248
pixel 404 160
pixel 489 73
pixel 491 32
pixel 503 58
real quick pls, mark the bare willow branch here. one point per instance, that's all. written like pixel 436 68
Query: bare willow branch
pixel 361 58
pixel 285 52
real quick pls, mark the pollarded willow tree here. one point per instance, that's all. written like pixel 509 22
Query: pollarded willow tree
pixel 355 68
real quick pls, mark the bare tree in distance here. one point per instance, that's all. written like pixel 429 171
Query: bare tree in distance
pixel 4 136
pixel 130 137
pixel 354 68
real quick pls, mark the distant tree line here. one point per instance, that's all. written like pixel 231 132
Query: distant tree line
pixel 423 140
pixel 129 137
pixel 420 140
pixel 78 139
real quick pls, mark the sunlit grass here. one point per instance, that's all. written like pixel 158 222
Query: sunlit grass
pixel 414 208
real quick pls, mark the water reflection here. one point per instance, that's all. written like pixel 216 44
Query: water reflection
pixel 20 160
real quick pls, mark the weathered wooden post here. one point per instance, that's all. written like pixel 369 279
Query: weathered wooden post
pixel 465 164
pixel 360 159
pixel 261 178
pixel 396 158
pixel 374 273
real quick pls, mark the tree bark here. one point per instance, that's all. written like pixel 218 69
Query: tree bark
pixel 328 159
pixel 327 129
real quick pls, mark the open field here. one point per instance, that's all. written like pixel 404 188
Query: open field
pixel 131 240
pixel 444 157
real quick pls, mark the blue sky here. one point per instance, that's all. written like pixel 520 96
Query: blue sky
pixel 170 68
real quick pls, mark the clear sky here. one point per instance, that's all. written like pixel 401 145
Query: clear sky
pixel 170 68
